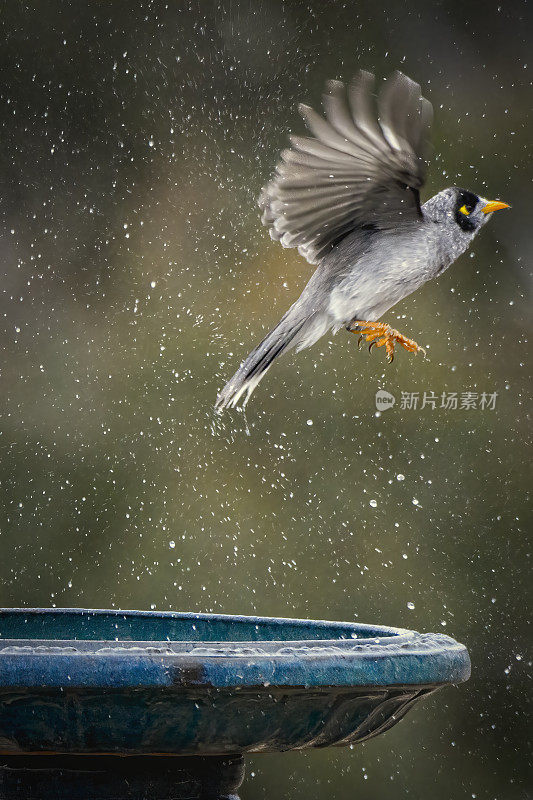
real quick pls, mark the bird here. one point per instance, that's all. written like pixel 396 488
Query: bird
pixel 348 198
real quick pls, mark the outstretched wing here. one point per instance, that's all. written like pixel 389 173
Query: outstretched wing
pixel 359 169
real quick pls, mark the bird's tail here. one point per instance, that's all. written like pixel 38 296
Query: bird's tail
pixel 293 330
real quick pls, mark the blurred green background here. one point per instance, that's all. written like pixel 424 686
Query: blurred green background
pixel 136 275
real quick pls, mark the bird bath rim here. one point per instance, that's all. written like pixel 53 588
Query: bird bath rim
pixel 117 649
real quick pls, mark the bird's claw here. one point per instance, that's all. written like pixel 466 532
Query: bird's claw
pixel 379 334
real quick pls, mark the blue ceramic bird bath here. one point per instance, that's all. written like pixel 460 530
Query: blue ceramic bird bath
pixel 79 688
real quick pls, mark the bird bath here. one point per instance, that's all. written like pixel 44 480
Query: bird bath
pixel 181 697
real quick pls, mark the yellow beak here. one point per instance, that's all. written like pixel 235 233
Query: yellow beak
pixel 494 205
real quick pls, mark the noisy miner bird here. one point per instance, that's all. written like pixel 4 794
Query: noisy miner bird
pixel 348 197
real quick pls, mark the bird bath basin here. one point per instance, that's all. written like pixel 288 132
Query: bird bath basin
pixel 187 695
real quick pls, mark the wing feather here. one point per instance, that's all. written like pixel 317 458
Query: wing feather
pixel 360 166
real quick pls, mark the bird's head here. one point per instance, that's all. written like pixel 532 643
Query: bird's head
pixel 467 211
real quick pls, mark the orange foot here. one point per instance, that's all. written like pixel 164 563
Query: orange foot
pixel 379 334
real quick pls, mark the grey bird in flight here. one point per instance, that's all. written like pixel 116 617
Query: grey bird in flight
pixel 348 197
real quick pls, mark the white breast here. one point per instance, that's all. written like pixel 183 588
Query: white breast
pixel 392 269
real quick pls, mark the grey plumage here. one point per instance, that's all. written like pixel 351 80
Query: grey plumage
pixel 348 199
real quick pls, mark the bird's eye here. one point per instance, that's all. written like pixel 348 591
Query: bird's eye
pixel 464 210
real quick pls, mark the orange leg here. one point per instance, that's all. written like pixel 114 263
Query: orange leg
pixel 379 334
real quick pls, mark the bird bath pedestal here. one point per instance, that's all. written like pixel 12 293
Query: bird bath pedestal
pixel 138 704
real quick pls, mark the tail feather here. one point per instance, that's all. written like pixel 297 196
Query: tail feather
pixel 285 335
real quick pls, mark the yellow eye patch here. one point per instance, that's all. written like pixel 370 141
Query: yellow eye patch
pixel 464 210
